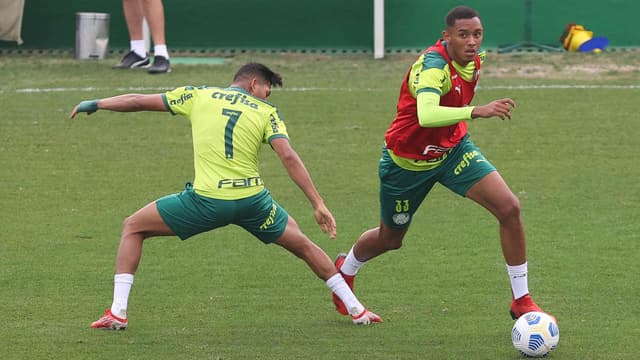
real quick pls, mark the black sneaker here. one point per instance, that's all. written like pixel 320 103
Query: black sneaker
pixel 132 60
pixel 160 65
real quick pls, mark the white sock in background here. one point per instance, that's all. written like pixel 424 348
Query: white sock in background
pixel 161 50
pixel 139 48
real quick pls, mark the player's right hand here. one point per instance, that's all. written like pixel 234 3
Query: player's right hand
pixel 325 220
pixel 88 106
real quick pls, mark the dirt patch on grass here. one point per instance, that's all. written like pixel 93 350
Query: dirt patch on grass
pixel 565 66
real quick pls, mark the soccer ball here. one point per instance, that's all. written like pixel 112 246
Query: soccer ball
pixel 535 334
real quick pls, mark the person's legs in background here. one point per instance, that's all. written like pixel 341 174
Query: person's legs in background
pixel 153 11
pixel 135 11
pixel 137 56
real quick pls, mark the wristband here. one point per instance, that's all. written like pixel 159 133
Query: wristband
pixel 88 106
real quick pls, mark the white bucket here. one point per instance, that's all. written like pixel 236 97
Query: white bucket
pixel 92 35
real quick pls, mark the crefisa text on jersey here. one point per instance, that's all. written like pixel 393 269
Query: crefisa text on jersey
pixel 234 98
pixel 183 98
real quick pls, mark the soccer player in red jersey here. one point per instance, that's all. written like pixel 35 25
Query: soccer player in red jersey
pixel 428 143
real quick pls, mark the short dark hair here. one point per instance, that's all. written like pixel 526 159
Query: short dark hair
pixel 460 12
pixel 257 69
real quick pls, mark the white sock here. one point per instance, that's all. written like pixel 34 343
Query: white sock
pixel 337 284
pixel 519 280
pixel 161 50
pixel 351 265
pixel 121 288
pixel 139 48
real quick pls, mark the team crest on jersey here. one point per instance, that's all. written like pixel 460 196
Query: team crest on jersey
pixel 401 218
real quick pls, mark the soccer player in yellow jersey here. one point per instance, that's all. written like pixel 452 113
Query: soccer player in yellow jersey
pixel 228 127
pixel 428 143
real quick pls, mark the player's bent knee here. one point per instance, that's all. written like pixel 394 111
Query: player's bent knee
pixel 126 223
pixel 509 210
pixel 131 225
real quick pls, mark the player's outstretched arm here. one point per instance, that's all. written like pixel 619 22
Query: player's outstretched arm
pixel 500 108
pixel 122 103
pixel 299 174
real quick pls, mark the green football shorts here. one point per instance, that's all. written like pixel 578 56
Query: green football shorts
pixel 189 214
pixel 402 191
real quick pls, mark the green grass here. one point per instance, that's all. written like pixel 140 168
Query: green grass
pixel 66 185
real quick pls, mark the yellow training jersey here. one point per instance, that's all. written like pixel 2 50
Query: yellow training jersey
pixel 228 126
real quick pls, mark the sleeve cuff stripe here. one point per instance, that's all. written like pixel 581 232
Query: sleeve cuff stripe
pixel 432 90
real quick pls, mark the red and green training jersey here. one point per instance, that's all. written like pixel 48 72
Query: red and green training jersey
pixel 434 71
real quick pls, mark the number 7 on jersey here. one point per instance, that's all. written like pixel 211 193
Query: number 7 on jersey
pixel 233 115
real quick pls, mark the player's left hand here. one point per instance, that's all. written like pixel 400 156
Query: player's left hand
pixel 88 106
pixel 325 220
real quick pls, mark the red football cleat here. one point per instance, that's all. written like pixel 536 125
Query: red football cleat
pixel 522 306
pixel 110 322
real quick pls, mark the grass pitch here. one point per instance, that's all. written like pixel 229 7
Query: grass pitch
pixel 66 185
